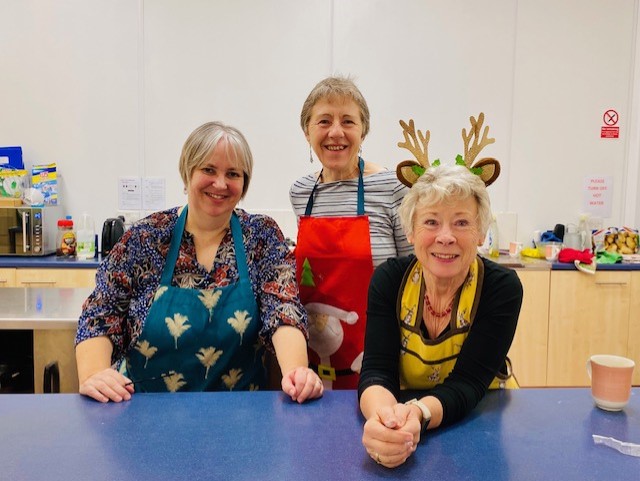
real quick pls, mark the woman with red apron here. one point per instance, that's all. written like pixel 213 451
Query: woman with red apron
pixel 334 265
pixel 338 243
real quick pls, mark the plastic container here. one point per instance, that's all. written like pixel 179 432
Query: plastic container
pixel 585 232
pixel 66 239
pixel 492 240
pixel 86 237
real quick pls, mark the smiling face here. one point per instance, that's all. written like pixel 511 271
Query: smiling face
pixel 216 186
pixel 335 134
pixel 445 238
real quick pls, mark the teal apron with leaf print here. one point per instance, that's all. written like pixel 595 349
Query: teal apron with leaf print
pixel 200 340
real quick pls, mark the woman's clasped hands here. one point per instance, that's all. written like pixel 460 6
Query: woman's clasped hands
pixel 392 435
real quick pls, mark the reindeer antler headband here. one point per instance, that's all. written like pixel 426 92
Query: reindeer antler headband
pixel 487 168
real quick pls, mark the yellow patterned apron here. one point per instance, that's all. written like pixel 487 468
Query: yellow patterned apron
pixel 425 363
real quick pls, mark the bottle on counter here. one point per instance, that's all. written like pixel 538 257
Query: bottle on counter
pixel 86 235
pixel 66 239
pixel 585 233
pixel 491 241
pixel 494 242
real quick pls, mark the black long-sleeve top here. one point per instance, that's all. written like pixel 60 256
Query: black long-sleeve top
pixel 483 352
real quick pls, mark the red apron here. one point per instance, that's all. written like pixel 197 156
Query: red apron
pixel 334 267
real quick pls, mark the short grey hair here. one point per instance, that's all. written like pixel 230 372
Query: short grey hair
pixel 446 183
pixel 203 140
pixel 335 88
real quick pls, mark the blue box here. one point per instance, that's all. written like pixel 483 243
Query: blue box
pixel 11 158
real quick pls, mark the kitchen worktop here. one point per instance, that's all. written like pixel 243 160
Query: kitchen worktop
pixel 41 308
pixel 530 263
pixel 50 261
pixel 523 434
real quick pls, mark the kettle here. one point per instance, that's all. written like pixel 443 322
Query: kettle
pixel 112 230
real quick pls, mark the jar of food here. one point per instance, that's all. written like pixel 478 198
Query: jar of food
pixel 66 239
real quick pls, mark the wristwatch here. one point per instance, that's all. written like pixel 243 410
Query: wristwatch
pixel 426 414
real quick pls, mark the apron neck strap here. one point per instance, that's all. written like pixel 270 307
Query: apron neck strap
pixel 238 244
pixel 309 207
pixel 176 239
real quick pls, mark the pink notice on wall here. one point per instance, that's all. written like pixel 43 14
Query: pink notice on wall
pixel 598 192
pixel 610 129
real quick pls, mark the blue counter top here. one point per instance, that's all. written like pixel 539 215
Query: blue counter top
pixel 521 434
pixel 50 261
pixel 54 262
pixel 561 266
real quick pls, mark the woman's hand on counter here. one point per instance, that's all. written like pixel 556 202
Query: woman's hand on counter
pixel 302 384
pixel 107 385
pixel 96 377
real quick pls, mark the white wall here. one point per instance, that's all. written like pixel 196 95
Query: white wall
pixel 111 88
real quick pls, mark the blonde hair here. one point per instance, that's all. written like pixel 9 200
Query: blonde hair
pixel 203 140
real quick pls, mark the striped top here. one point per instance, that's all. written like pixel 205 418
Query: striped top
pixel 382 196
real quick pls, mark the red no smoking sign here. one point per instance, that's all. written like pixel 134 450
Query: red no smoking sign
pixel 610 130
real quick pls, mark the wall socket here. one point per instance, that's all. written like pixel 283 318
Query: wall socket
pixel 130 216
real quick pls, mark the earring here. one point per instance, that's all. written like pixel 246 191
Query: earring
pixel 184 191
pixel 360 151
pixel 310 155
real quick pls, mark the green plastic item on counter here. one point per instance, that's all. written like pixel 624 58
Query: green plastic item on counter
pixel 605 257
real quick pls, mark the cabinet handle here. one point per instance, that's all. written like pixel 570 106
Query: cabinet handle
pixel 603 283
pixel 27 283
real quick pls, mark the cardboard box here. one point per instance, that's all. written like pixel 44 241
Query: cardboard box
pixel 10 202
pixel 45 179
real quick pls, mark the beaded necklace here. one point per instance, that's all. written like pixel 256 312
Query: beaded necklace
pixel 446 312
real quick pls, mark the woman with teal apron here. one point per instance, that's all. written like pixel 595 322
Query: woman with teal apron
pixel 193 339
pixel 188 300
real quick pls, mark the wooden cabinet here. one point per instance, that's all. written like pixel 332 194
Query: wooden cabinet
pixel 7 277
pixel 55 346
pixel 633 345
pixel 52 345
pixel 588 314
pixel 55 278
pixel 528 352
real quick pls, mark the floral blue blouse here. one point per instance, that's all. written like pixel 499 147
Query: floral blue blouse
pixel 127 279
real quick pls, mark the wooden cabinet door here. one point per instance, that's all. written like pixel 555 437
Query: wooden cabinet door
pixel 588 314
pixel 55 278
pixel 7 277
pixel 633 346
pixel 528 352
pixel 55 345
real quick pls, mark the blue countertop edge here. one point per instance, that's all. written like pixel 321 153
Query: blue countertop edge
pixel 562 266
pixel 54 262
pixel 50 261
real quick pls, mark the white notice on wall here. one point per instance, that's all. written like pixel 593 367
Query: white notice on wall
pixel 129 193
pixel 598 192
pixel 153 193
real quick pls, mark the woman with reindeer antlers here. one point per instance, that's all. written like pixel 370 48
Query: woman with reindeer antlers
pixel 348 224
pixel 441 321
